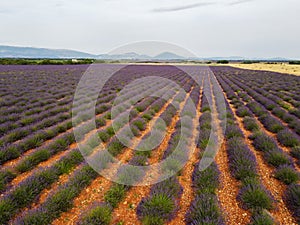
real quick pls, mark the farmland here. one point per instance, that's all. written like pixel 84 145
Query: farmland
pixel 252 179
pixel 275 67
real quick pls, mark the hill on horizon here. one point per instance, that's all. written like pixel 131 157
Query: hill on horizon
pixel 33 52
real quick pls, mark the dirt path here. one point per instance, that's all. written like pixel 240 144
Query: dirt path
pixel 63 178
pixel 185 178
pixel 61 154
pixel 129 152
pixel 228 192
pixel 14 162
pixel 285 124
pixel 229 189
pixel 98 187
pixel 280 213
pixel 51 161
pixel 45 193
pixel 273 135
pixel 127 209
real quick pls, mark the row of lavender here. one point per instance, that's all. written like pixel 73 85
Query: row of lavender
pixel 261 94
pixel 149 207
pixel 114 147
pixel 161 204
pixel 252 195
pixel 272 153
pixel 59 144
pixel 46 151
pixel 30 121
pixel 31 189
pixel 34 135
pixel 59 110
pixel 205 208
pixel 36 93
pixel 281 88
pixel 285 136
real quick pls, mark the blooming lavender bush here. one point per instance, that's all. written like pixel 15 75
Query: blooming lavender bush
pixel 292 199
pixel 262 218
pixel 204 210
pixel 243 111
pixel 140 124
pixel 5 177
pixel 263 142
pixel 254 196
pixel 296 153
pixel 271 124
pixel 256 108
pixel 288 139
pixel 160 206
pixel 25 193
pixel 59 201
pixel 233 130
pixel 250 124
pixel 242 162
pixel 98 214
pixel 115 147
pixel 206 181
pixel 287 174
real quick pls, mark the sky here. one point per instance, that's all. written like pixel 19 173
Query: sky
pixel 248 28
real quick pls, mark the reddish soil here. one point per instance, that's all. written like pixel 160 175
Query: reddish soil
pixel 125 213
pixel 98 188
pixel 14 162
pixel 261 126
pixel 229 189
pixel 62 180
pixel 228 192
pixel 127 209
pixel 94 192
pixel 185 179
pixel 281 214
pixel 45 193
pixel 128 153
pixel 274 136
pixel 54 158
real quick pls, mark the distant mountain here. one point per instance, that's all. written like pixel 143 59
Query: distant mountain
pixel 29 52
pixel 168 55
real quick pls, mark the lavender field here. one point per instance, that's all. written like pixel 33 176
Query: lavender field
pixel 46 177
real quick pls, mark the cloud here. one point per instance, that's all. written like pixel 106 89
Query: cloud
pixel 183 7
pixel 197 5
pixel 238 2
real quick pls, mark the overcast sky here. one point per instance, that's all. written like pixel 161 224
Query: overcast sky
pixel 250 28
